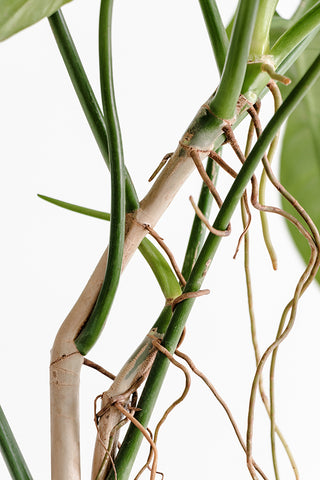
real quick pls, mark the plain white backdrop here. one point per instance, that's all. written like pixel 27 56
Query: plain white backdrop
pixel 164 70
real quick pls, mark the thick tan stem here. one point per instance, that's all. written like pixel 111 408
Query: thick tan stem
pixel 65 359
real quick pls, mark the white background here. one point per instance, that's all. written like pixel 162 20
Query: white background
pixel 164 70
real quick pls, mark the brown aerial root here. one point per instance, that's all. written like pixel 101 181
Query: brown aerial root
pixel 145 433
pixel 108 449
pixel 186 295
pixel 174 264
pixel 108 455
pixel 254 340
pixel 304 281
pixel 160 166
pixel 205 221
pixel 234 144
pixel 244 200
pixel 205 177
pixel 222 403
pixel 97 367
pixel 165 352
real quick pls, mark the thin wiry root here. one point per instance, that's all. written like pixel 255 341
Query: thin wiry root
pixel 244 201
pixel 304 282
pixel 205 177
pixel 165 352
pixel 145 433
pixel 305 279
pixel 108 455
pixel 205 221
pixel 263 179
pixel 186 295
pixel 254 339
pixel 222 403
pixel 231 139
pixel 174 264
pixel 97 367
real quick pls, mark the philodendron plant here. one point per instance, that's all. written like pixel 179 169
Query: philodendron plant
pixel 259 55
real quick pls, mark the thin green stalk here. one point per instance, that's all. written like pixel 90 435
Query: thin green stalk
pixel 292 37
pixel 11 451
pixel 225 100
pixel 93 327
pixel 133 438
pixel 260 37
pixel 302 8
pixel 289 46
pixel 166 278
pixel 217 33
pixel 198 229
pixel 86 96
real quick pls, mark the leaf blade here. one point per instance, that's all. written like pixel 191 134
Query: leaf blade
pixel 300 153
pixel 17 15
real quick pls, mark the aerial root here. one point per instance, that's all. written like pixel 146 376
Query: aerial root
pixel 165 352
pixel 97 367
pixel 108 455
pixel 205 221
pixel 186 295
pixel 269 69
pixel 174 264
pixel 205 177
pixel 145 433
pixel 304 281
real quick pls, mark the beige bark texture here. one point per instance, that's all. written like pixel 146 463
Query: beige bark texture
pixel 65 359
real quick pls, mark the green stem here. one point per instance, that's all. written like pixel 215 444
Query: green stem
pixel 292 37
pixel 93 327
pixel 198 229
pixel 217 33
pixel 260 38
pixel 154 382
pixel 166 278
pixel 11 451
pixel 86 96
pixel 301 9
pixel 225 100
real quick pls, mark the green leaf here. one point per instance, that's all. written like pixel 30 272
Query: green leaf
pixel 300 155
pixel 19 14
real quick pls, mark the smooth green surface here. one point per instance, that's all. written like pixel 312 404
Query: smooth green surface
pixel 286 49
pixel 76 208
pixel 199 230
pixel 225 100
pixel 11 452
pixel 260 37
pixel 292 37
pixel 94 325
pixel 86 97
pixel 217 33
pixel 15 15
pixel 300 152
pixel 167 280
pixel 132 440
